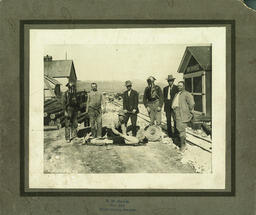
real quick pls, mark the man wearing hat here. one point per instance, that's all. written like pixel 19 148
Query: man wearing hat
pixel 153 101
pixel 70 107
pixel 130 106
pixel 169 93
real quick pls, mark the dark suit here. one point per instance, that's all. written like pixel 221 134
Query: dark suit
pixel 130 103
pixel 168 109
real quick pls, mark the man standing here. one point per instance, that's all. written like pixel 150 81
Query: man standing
pixel 95 102
pixel 169 94
pixel 153 101
pixel 130 106
pixel 70 107
pixel 183 106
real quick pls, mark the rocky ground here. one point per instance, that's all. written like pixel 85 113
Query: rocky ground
pixel 154 157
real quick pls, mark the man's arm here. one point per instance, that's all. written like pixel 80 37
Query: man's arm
pixel 87 103
pixel 103 103
pixel 161 99
pixel 145 99
pixel 124 102
pixel 136 100
pixel 190 102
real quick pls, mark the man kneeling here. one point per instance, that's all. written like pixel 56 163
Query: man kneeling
pixel 117 134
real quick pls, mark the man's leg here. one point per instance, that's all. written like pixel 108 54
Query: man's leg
pixel 134 121
pixel 74 124
pixel 93 125
pixel 99 125
pixel 67 128
pixel 175 133
pixel 169 124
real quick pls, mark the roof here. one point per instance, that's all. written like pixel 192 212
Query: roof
pixel 58 68
pixel 202 55
pixel 52 80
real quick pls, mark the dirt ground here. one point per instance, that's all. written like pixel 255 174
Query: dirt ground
pixel 154 157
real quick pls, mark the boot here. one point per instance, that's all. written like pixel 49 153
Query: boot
pixel 182 144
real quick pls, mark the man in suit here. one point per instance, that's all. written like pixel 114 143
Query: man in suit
pixel 130 105
pixel 169 94
pixel 183 106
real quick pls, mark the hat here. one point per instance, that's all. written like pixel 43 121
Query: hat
pixel 170 77
pixel 153 133
pixel 128 83
pixel 151 78
pixel 121 113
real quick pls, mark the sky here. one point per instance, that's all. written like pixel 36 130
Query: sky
pixel 121 62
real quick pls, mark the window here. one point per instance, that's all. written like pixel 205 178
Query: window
pixel 188 84
pixel 194 85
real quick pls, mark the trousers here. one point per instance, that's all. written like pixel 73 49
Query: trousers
pixel 155 116
pixel 70 123
pixel 95 122
pixel 170 114
pixel 133 118
pixel 181 126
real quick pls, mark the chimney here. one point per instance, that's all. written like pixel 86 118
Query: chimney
pixel 47 58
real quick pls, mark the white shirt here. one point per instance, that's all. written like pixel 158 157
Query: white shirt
pixel 175 102
pixel 168 92
pixel 129 92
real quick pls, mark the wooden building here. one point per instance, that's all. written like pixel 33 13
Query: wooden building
pixel 61 70
pixel 196 66
pixel 50 87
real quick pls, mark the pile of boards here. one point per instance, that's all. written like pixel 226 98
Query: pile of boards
pixel 54 112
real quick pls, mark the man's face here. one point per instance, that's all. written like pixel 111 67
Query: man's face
pixel 129 87
pixel 121 118
pixel 94 87
pixel 149 82
pixel 170 82
pixel 180 86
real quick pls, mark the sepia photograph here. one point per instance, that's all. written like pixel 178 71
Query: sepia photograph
pixel 127 108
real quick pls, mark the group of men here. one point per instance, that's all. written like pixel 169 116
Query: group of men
pixel 178 105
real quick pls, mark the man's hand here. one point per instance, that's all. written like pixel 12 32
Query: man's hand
pixel 158 109
pixel 125 111
pixel 148 109
pixel 134 110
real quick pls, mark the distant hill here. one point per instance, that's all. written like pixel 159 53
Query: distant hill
pixel 114 86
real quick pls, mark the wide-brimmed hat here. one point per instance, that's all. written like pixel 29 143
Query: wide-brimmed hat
pixel 151 78
pixel 170 77
pixel 153 133
pixel 128 83
pixel 121 113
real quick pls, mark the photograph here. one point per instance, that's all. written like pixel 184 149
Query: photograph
pixel 127 108
pixel 135 112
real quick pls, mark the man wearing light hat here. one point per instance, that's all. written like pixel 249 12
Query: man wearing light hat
pixel 130 106
pixel 169 93
pixel 153 101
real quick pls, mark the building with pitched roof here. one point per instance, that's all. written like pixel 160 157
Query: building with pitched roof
pixel 61 70
pixel 57 73
pixel 196 66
